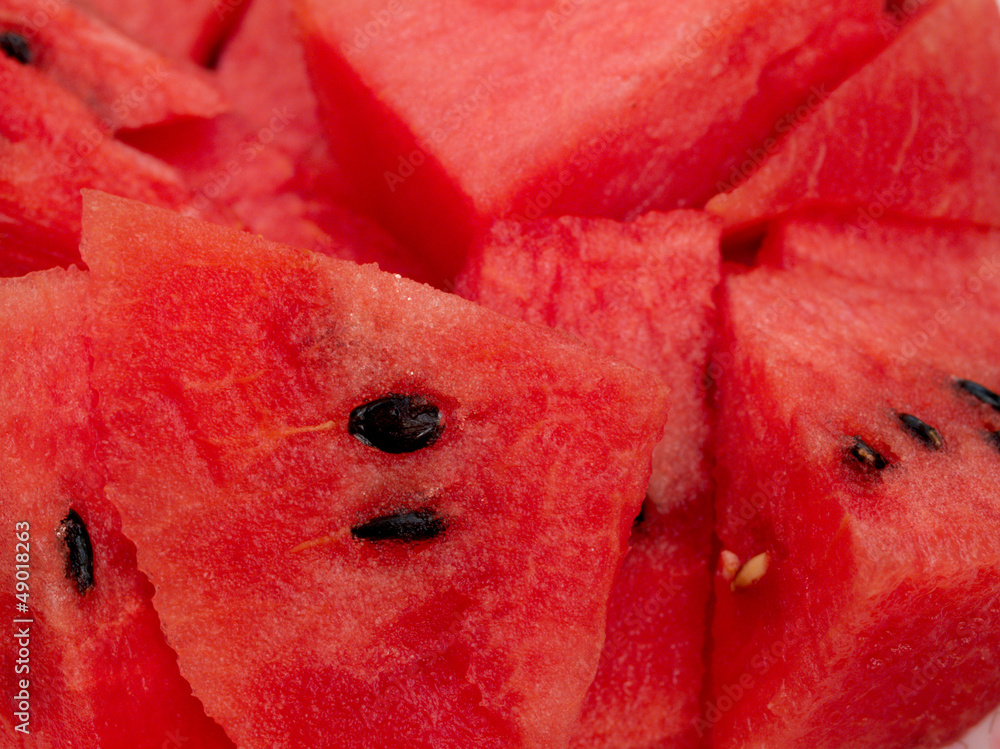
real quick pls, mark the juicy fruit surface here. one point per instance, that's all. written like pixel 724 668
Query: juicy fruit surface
pixel 184 29
pixel 867 576
pixel 97 659
pixel 586 110
pixel 641 292
pixel 926 145
pixel 965 258
pixel 124 83
pixel 53 146
pixel 228 369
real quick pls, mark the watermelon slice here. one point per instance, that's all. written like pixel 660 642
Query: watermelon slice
pixel 375 514
pixel 916 131
pixel 460 112
pixel 182 29
pixel 227 162
pixel 965 258
pixel 642 292
pixel 89 657
pixel 263 71
pixel 124 83
pixel 858 596
pixel 51 145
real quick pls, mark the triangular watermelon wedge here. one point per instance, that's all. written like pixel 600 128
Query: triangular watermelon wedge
pixel 915 131
pixel 956 258
pixel 125 84
pixel 86 665
pixel 191 29
pixel 641 291
pixel 858 596
pixel 51 145
pixel 375 514
pixel 456 113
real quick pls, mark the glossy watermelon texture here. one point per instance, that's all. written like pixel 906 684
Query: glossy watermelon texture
pixel 858 594
pixel 72 84
pixel 456 113
pixel 641 292
pixel 323 583
pixel 89 661
pixel 916 131
pixel 953 258
pixel 182 29
pixel 126 84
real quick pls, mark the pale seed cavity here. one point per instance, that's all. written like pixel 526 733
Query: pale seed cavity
pixel 867 455
pixel 751 572
pixel 729 565
pixel 396 423
pixel 407 526
pixel 79 552
pixel 923 431
pixel 16 47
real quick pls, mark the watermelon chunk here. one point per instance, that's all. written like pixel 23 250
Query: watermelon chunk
pixel 375 514
pixel 89 658
pixel 858 596
pixel 51 145
pixel 124 83
pixel 965 258
pixel 230 163
pixel 916 131
pixel 263 71
pixel 182 29
pixel 641 292
pixel 459 112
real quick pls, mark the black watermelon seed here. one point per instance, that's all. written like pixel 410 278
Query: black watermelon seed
pixel 985 395
pixel 409 526
pixel 867 455
pixel 396 423
pixel 923 431
pixel 16 47
pixel 994 437
pixel 80 556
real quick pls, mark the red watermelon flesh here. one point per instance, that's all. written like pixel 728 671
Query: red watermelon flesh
pixel 641 292
pixel 916 131
pixel 51 145
pixel 124 83
pixel 874 620
pixel 263 71
pixel 97 670
pixel 965 258
pixel 459 112
pixel 183 29
pixel 229 162
pixel 228 369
